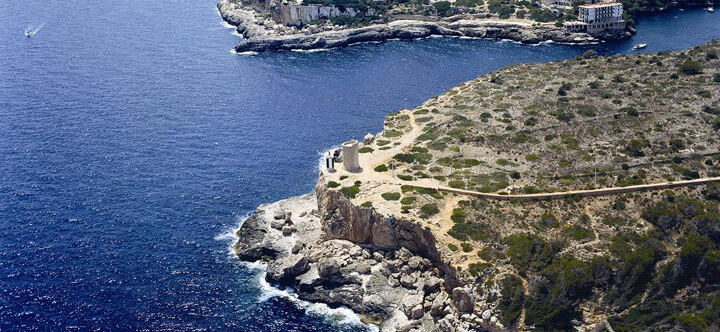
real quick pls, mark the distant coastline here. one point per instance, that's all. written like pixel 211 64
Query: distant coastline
pixel 258 39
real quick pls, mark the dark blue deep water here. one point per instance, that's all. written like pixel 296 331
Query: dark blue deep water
pixel 131 140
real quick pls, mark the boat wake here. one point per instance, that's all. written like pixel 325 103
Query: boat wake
pixel 30 31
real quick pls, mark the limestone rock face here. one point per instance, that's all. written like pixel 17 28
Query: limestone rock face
pixel 462 300
pixel 247 25
pixel 254 245
pixel 345 220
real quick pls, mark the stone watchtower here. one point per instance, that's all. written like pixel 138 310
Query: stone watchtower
pixel 350 156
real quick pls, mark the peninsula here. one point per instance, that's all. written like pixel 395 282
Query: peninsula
pixel 579 195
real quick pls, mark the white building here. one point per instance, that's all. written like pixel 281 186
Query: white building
pixel 602 16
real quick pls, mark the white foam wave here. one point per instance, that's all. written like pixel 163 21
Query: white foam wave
pixel 339 316
pixel 227 25
pixel 315 50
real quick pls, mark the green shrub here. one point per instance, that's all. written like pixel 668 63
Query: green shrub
pixel 381 168
pixel 437 146
pixel 442 7
pixel 366 205
pixel 343 177
pixel 391 196
pixel 556 296
pixel 549 220
pixel 529 253
pixel 453 247
pixel 392 133
pixel 430 209
pixel 692 323
pixel 381 142
pixel 333 184
pixel 502 162
pixel 350 192
pixel 365 149
pixel 470 231
pixel 428 136
pixel 409 200
pixel 578 233
pixel 458 215
pixel 476 268
pixel 456 184
pixel 405 177
pixel 691 67
pixel 532 157
pixel 405 157
pixel 422 158
pixel 614 221
pixel 511 301
pixel 466 247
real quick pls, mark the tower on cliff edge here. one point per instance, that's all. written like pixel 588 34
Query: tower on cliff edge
pixel 350 156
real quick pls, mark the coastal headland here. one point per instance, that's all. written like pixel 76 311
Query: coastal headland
pixel 573 195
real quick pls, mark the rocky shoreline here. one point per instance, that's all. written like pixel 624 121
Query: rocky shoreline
pixel 320 245
pixel 258 37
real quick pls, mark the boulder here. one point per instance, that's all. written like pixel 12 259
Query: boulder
pixel 376 306
pixel 438 304
pixel 252 244
pixel 277 224
pixel 368 139
pixel 286 269
pixel 409 326
pixel 410 302
pixel 407 281
pixel 462 299
pixel 417 312
pixel 486 314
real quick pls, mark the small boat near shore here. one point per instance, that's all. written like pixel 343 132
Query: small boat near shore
pixel 710 9
pixel 639 46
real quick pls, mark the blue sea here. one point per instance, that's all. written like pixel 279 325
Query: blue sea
pixel 133 142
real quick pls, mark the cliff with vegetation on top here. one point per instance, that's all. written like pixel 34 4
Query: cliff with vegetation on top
pixel 645 260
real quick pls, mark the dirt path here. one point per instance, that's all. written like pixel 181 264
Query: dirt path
pixel 580 193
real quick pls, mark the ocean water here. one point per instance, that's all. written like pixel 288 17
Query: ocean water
pixel 132 142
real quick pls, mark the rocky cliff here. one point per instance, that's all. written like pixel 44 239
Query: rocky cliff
pixel 384 268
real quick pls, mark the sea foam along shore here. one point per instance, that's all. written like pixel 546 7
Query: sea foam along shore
pixel 257 38
pixel 392 289
pixel 339 316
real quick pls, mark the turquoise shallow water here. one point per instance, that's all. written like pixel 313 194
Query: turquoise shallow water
pixel 132 140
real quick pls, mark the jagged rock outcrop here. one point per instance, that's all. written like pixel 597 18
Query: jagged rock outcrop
pixel 244 19
pixel 342 219
pixel 386 283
